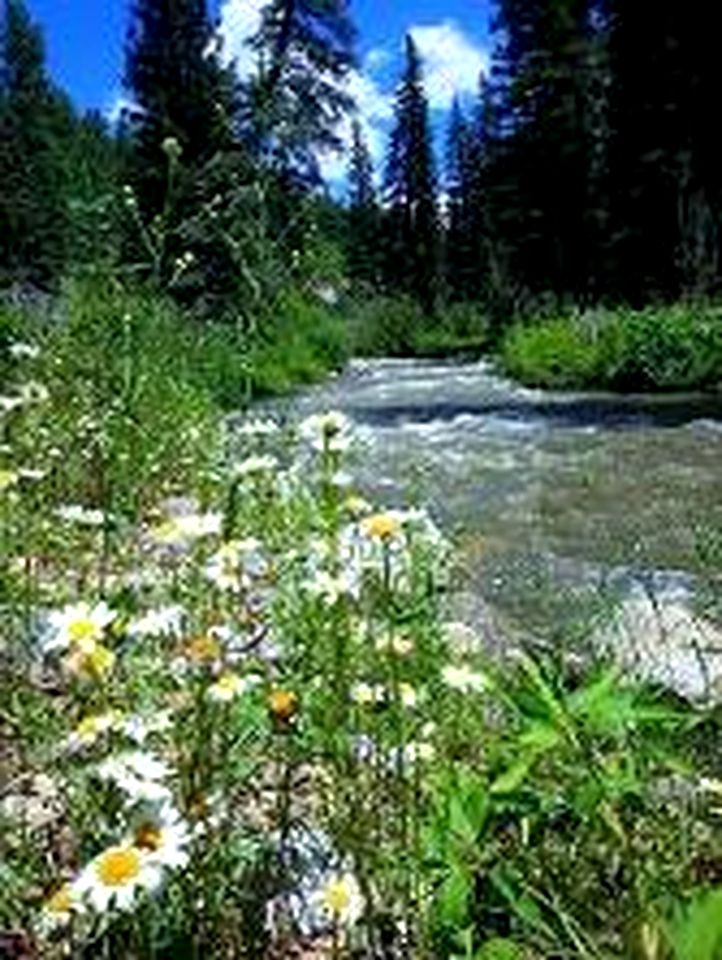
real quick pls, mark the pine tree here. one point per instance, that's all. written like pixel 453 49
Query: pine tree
pixel 410 186
pixel 363 237
pixel 665 158
pixel 464 213
pixel 543 156
pixel 34 121
pixel 179 90
pixel 294 103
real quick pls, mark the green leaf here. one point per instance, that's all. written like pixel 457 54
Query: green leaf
pixel 452 898
pixel 498 949
pixel 695 933
pixel 513 778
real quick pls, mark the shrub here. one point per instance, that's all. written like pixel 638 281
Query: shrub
pixel 396 326
pixel 670 348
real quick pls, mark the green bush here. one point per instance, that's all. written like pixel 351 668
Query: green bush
pixel 396 326
pixel 384 326
pixel 670 348
pixel 301 343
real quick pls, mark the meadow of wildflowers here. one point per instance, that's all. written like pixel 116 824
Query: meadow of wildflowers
pixel 237 722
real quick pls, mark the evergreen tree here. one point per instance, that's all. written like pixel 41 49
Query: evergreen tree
pixel 179 90
pixel 363 239
pixel 34 122
pixel 295 101
pixel 665 159
pixel 410 183
pixel 464 229
pixel 543 157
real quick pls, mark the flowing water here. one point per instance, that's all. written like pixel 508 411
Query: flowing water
pixel 558 502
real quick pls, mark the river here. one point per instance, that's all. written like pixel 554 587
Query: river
pixel 562 505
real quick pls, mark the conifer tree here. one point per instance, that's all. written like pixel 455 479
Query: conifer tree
pixel 665 157
pixel 34 120
pixel 543 158
pixel 179 90
pixel 294 103
pixel 463 208
pixel 363 240
pixel 410 187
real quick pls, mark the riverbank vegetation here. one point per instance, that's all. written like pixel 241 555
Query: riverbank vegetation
pixel 239 722
pixel 670 348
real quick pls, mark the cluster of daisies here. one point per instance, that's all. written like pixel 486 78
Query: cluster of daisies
pixel 194 548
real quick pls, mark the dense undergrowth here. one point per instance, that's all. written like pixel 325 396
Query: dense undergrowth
pixel 397 326
pixel 665 348
pixel 238 723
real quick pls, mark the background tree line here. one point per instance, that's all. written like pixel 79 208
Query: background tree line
pixel 588 171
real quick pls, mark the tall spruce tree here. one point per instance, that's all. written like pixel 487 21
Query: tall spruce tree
pixel 178 88
pixel 296 99
pixel 543 158
pixel 363 237
pixel 462 260
pixel 665 158
pixel 410 190
pixel 35 122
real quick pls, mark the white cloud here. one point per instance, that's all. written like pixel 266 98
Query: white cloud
pixel 452 62
pixel 376 59
pixel 117 106
pixel 239 21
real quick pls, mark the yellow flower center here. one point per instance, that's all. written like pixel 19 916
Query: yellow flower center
pixel 60 902
pixel 87 729
pixel 203 649
pixel 283 704
pixel 149 836
pixel 82 630
pixel 336 897
pixel 228 683
pixel 381 526
pixel 119 866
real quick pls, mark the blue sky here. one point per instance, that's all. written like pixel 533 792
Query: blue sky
pixel 85 48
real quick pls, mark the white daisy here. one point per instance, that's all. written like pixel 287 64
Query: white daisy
pixel 235 561
pixel 139 775
pixel 229 686
pixel 8 404
pixel 327 431
pixel 139 728
pixel 59 909
pixel 185 528
pixel 24 351
pixel 252 466
pixel 164 837
pixel 408 695
pixel 91 729
pixel 161 622
pixel 340 900
pixel 463 679
pixel 83 516
pixel 329 588
pixel 78 627
pixel 367 694
pixel 115 876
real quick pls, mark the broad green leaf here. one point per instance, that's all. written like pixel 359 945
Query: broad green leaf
pixel 695 933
